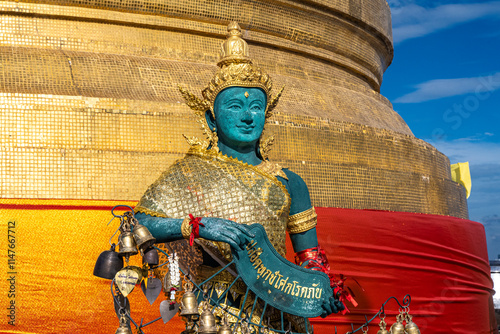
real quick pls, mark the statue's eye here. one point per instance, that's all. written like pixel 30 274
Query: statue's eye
pixel 256 107
pixel 234 107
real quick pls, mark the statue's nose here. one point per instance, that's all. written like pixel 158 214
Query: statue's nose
pixel 247 116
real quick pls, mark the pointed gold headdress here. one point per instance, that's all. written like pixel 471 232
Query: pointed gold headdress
pixel 235 70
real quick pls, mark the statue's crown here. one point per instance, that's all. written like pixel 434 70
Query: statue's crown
pixel 234 50
pixel 236 68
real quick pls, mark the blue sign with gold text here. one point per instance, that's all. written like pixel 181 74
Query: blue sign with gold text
pixel 279 282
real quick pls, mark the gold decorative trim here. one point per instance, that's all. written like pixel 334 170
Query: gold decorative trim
pixel 186 228
pixel 147 211
pixel 302 221
pixel 272 168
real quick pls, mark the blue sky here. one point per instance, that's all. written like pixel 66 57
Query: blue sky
pixel 445 82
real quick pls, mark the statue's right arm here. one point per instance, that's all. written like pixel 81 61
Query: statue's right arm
pixel 214 229
pixel 163 229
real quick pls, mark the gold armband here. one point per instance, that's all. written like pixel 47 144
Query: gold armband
pixel 302 221
pixel 186 228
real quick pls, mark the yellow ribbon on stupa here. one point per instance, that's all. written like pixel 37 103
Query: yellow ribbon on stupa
pixel 460 173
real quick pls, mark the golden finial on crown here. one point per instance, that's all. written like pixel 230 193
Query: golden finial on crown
pixel 236 69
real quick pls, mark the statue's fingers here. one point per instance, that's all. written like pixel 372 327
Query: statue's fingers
pixel 239 237
pixel 333 304
pixel 339 304
pixel 232 239
pixel 245 230
pixel 327 307
pixel 241 231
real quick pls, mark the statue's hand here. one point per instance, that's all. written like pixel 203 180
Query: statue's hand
pixel 218 229
pixel 332 305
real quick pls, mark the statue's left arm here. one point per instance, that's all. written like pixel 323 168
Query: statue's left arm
pixel 302 229
pixel 302 220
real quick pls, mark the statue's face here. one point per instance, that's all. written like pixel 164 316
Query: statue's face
pixel 240 115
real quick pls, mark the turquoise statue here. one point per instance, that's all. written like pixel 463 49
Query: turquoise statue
pixel 228 182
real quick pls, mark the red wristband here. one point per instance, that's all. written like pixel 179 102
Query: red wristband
pixel 195 228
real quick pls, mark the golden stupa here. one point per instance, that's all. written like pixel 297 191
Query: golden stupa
pixel 91 108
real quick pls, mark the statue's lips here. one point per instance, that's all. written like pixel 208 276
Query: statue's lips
pixel 245 128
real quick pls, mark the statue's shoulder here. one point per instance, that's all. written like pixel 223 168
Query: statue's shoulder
pixel 299 193
pixel 295 182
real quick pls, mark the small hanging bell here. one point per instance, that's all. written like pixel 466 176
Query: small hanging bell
pixel 383 329
pixel 143 237
pixel 127 245
pixel 189 304
pixel 245 329
pixel 398 327
pixel 224 328
pixel 411 327
pixel 108 264
pixel 207 322
pixel 151 257
pixel 124 328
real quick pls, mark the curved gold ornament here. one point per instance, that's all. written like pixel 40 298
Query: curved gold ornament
pixel 265 146
pixel 273 103
pixel 236 69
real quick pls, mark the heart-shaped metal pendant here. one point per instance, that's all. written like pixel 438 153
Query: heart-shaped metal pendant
pixel 126 279
pixel 168 310
pixel 153 289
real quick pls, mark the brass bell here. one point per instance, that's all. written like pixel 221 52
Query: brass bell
pixel 383 329
pixel 126 244
pixel 189 304
pixel 207 322
pixel 108 264
pixel 224 328
pixel 398 327
pixel 151 257
pixel 124 328
pixel 143 237
pixel 411 327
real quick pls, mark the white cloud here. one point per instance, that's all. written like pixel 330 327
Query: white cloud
pixel 440 88
pixel 410 20
pixel 471 149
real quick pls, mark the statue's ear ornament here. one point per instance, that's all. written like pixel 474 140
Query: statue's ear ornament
pixel 194 102
pixel 273 103
pixel 200 107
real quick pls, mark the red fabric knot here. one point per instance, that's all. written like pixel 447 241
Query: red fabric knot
pixel 195 228
pixel 316 260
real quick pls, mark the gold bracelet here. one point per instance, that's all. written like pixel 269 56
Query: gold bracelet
pixel 186 228
pixel 302 221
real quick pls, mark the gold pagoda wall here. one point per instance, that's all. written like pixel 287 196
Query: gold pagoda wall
pixel 90 109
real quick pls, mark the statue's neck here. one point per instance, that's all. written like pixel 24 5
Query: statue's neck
pixel 244 153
